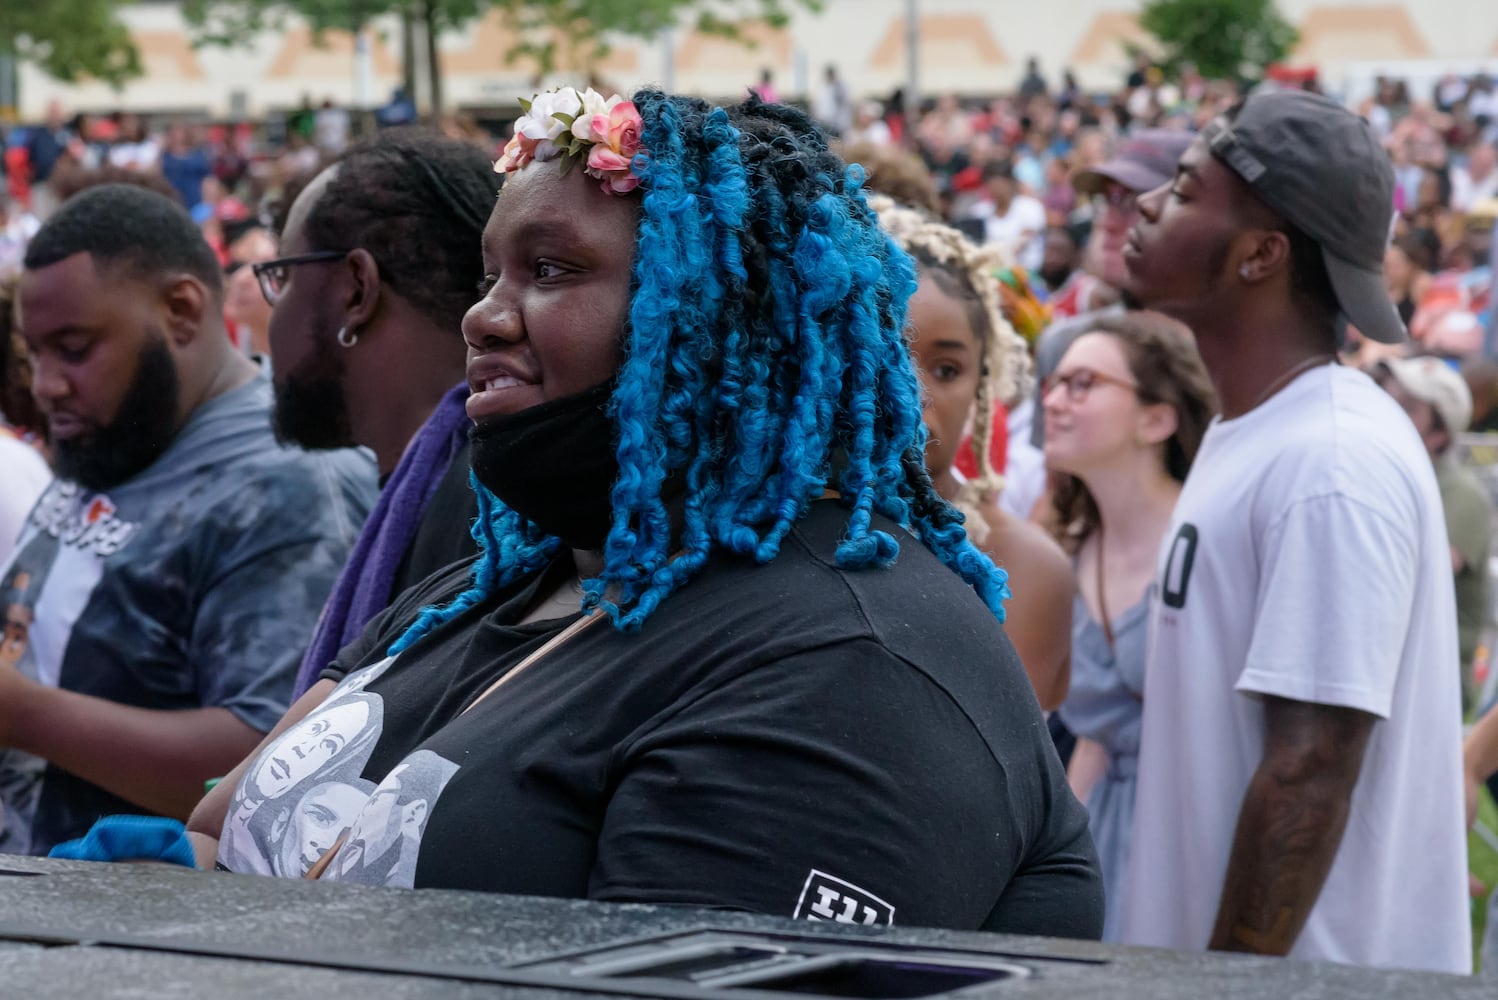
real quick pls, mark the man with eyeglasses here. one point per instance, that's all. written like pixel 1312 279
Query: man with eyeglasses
pixel 381 260
pixel 171 574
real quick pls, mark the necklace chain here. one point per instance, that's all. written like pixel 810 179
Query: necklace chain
pixel 1289 376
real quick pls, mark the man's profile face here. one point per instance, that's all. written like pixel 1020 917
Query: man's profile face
pixel 308 365
pixel 104 373
pixel 1117 214
pixel 1177 254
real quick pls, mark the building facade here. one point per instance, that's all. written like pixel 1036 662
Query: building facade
pixel 965 46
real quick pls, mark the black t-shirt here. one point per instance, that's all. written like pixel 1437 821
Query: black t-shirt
pixel 442 537
pixel 791 739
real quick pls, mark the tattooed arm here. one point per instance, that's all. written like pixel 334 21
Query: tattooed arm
pixel 1290 824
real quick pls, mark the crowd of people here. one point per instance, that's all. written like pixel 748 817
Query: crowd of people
pixel 1040 516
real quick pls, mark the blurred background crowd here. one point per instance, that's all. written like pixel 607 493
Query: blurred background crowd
pixel 1002 169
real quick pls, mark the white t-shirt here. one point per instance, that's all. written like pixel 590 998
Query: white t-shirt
pixel 1020 231
pixel 331 126
pixel 1024 468
pixel 1465 192
pixel 1307 559
pixel 143 155
pixel 1483 104
pixel 875 133
pixel 23 476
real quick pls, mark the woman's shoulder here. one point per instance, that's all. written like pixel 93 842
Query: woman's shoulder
pixel 804 594
pixel 1022 547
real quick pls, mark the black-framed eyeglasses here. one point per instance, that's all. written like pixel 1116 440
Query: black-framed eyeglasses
pixel 273 274
pixel 1080 381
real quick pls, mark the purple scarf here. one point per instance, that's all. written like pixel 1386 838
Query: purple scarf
pixel 363 588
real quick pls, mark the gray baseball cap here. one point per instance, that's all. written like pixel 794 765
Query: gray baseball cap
pixel 1322 169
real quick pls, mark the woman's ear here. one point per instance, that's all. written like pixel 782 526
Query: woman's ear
pixel 1157 422
pixel 364 292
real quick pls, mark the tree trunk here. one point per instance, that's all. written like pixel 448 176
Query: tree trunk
pixel 434 67
pixel 408 52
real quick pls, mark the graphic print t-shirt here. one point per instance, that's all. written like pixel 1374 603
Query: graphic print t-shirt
pixel 193 585
pixel 791 739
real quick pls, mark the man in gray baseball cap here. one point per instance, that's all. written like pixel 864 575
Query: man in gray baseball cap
pixel 1324 172
pixel 1299 782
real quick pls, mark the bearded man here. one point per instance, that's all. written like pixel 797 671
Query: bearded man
pixel 174 569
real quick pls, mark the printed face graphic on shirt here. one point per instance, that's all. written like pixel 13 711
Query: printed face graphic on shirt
pixel 18 618
pixel 384 820
pixel 305 789
pixel 317 740
pixel 32 645
pixel 385 840
pixel 309 829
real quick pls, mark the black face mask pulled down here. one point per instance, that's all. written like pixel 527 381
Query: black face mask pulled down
pixel 554 465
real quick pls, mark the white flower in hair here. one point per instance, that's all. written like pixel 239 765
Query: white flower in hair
pixel 603 134
pixel 541 123
pixel 593 103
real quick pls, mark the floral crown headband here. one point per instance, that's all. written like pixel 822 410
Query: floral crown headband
pixel 603 133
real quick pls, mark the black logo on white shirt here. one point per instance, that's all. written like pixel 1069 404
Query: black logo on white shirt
pixel 1178 567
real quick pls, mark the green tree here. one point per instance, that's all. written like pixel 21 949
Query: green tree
pixel 582 26
pixel 1229 39
pixel 70 39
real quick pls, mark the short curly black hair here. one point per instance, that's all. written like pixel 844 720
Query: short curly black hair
pixel 126 227
pixel 418 202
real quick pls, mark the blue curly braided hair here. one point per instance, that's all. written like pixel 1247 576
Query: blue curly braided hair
pixel 765 363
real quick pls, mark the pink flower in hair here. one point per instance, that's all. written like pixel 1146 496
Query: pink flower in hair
pixel 603 133
pixel 517 153
pixel 619 140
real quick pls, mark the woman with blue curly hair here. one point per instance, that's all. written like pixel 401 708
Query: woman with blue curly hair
pixel 724 644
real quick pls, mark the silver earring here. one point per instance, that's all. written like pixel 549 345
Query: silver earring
pixel 1243 271
pixel 346 339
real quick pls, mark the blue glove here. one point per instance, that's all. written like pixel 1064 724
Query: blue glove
pixel 131 838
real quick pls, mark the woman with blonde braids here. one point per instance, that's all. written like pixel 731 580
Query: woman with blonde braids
pixel 970 359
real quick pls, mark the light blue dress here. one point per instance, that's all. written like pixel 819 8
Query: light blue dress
pixel 1105 705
